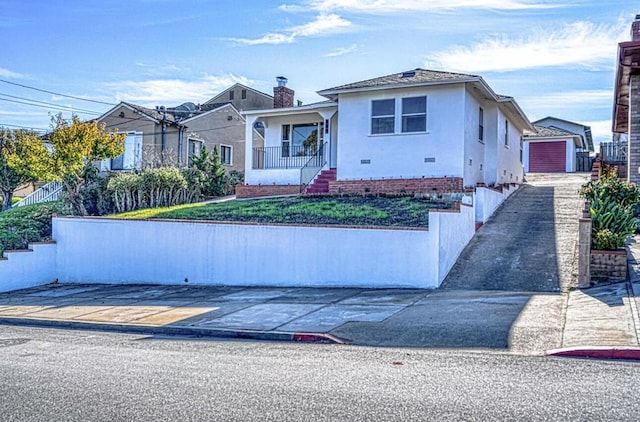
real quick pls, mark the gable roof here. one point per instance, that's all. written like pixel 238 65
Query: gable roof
pixel 415 77
pixel 554 132
pixel 588 137
pixel 216 99
pixel 211 108
pixel 550 131
pixel 425 77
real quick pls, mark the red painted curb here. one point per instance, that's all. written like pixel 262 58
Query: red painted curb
pixel 627 353
pixel 317 338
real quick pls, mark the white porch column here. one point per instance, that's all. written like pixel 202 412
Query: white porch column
pixel 248 148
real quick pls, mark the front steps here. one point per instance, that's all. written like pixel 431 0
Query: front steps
pixel 321 183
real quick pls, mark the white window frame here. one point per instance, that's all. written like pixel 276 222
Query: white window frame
pixel 383 116
pixel 230 163
pixel 403 115
pixel 190 154
pixel 481 124
pixel 398 116
pixel 506 133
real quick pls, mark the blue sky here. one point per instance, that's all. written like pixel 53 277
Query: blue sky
pixel 555 57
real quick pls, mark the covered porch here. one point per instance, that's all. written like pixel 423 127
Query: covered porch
pixel 299 142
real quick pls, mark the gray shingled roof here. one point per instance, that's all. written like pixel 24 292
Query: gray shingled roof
pixel 551 131
pixel 150 112
pixel 410 77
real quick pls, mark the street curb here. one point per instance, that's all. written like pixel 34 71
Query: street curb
pixel 320 338
pixel 598 352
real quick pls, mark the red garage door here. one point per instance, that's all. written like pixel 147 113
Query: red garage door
pixel 547 157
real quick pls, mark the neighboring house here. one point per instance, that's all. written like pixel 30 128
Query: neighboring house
pixel 243 98
pixel 626 101
pixel 586 139
pixel 170 136
pixel 551 150
pixel 415 131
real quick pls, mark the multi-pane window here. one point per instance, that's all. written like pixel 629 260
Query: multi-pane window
pixel 244 94
pixel 480 124
pixel 414 114
pixel 383 116
pixel 231 95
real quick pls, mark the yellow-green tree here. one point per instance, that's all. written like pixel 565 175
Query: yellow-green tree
pixel 12 142
pixel 68 153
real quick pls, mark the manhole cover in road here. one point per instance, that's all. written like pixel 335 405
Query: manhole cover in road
pixel 6 342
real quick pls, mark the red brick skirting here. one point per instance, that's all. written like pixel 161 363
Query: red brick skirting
pixel 421 185
pixel 254 191
pixel 609 265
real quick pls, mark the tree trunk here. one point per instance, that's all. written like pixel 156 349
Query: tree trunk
pixel 75 197
pixel 7 198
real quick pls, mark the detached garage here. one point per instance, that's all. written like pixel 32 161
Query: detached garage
pixel 550 150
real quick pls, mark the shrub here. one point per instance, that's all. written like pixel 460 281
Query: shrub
pixel 611 207
pixel 606 240
pixel 31 223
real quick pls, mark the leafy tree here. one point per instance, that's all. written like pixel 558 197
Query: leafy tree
pixel 69 153
pixel 211 166
pixel 12 143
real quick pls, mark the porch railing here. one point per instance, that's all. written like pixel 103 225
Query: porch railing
pixel 283 157
pixel 613 152
pixel 312 167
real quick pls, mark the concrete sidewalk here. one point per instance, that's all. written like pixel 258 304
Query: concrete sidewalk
pixel 517 322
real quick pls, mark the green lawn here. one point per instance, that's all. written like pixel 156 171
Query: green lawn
pixel 347 210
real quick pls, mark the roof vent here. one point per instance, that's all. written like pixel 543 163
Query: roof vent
pixel 409 74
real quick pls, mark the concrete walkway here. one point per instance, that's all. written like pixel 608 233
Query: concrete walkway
pixel 524 305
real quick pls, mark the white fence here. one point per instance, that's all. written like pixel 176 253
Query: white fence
pixel 100 250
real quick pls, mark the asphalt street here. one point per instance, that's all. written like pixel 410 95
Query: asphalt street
pixel 66 375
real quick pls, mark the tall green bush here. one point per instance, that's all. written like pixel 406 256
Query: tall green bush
pixel 611 207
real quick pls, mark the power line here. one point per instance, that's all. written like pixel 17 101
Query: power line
pixel 55 93
pixel 24 127
pixel 52 106
pixel 48 104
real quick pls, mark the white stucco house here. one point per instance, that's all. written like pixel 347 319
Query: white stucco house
pixel 414 131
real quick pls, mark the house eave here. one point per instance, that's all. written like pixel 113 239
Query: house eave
pixel 333 93
pixel 628 64
pixel 577 141
pixel 270 112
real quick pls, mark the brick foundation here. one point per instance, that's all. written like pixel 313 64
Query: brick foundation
pixel 608 265
pixel 422 185
pixel 255 191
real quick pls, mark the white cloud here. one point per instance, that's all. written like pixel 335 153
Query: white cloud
pixel 600 130
pixel 6 73
pixel 570 100
pixel 171 92
pixel 394 6
pixel 323 24
pixel 342 51
pixel 578 44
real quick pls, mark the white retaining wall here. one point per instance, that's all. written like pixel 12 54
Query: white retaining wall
pixel 29 268
pixel 100 250
pixel 488 200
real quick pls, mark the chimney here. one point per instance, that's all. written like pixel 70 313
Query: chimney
pixel 282 96
pixel 635 29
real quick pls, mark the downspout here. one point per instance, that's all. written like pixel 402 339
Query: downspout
pixel 180 137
